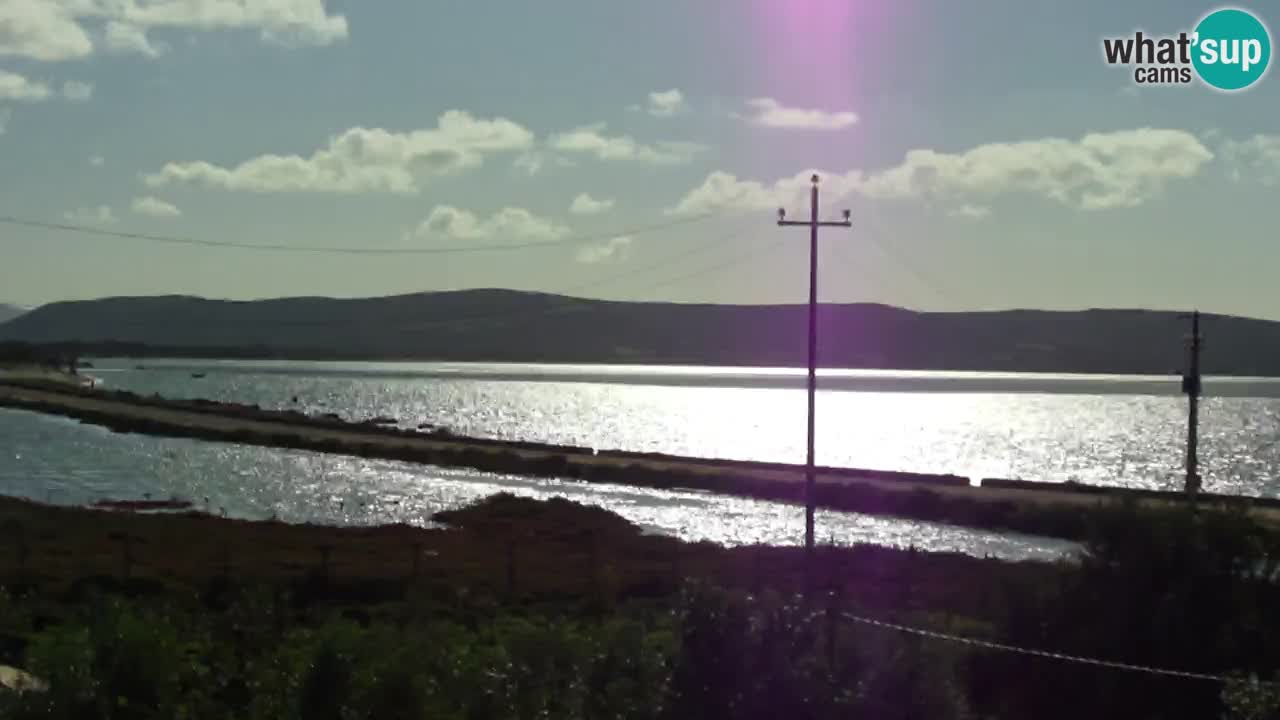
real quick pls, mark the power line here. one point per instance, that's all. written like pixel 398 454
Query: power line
pixel 562 304
pixel 715 268
pixel 714 242
pixel 809 473
pixel 1001 647
pixel 276 247
pixel 669 260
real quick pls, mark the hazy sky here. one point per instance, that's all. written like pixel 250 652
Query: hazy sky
pixel 990 157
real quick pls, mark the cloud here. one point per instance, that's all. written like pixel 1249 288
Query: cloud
pixel 14 87
pixel 971 212
pixel 1256 159
pixel 44 30
pixel 124 37
pixel 723 190
pixel 584 204
pixel 100 215
pixel 77 91
pixel 767 112
pixel 614 250
pixel 591 140
pixel 507 223
pixel 1097 172
pixel 97 160
pixel 154 207
pixel 533 162
pixel 51 30
pixel 666 103
pixel 362 160
pixel 530 163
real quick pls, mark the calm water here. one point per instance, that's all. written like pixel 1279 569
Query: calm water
pixel 1106 430
pixel 1053 428
pixel 60 460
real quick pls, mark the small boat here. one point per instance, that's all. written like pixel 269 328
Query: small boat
pixel 197 376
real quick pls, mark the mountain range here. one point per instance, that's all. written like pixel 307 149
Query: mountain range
pixel 9 312
pixel 513 326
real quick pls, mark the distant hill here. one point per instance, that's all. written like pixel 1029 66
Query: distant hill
pixel 9 312
pixel 503 325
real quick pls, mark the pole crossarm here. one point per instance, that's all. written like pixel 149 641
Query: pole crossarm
pixel 813 223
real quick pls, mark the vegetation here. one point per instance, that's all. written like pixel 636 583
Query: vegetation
pixel 18 354
pixel 651 628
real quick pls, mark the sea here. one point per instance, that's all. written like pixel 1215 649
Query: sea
pixel 1105 430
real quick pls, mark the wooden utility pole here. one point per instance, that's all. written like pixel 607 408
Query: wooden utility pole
pixel 813 224
pixel 1191 386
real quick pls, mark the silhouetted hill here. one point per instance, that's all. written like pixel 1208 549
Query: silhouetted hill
pixel 9 312
pixel 503 325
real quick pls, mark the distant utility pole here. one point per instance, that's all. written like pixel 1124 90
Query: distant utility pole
pixel 813 224
pixel 1191 386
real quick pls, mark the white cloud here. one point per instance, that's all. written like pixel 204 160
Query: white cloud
pixel 767 112
pixel 584 204
pixel 530 163
pixel 124 37
pixel 533 162
pixel 63 29
pixel 77 91
pixel 1097 172
pixel 15 87
pixel 666 103
pixel 1257 158
pixel 971 212
pixel 591 140
pixel 100 215
pixel 97 160
pixel 363 160
pixel 42 30
pixel 154 207
pixel 614 250
pixel 722 190
pixel 507 223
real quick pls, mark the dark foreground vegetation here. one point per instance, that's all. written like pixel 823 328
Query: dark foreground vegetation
pixel 525 609
pixel 24 354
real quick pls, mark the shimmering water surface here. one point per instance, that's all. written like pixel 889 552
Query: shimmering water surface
pixel 1053 428
pixel 60 460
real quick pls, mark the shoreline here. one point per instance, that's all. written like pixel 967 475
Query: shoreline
pixel 541 549
pixel 1045 509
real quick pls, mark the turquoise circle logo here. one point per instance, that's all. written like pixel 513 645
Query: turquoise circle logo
pixel 1232 49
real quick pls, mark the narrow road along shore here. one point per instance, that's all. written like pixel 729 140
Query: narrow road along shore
pixel 1034 508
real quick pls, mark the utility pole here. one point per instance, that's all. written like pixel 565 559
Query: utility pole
pixel 810 476
pixel 1191 386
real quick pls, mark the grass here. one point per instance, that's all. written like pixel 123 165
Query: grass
pixel 525 608
pixel 503 546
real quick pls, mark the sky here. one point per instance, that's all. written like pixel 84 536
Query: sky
pixel 990 158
